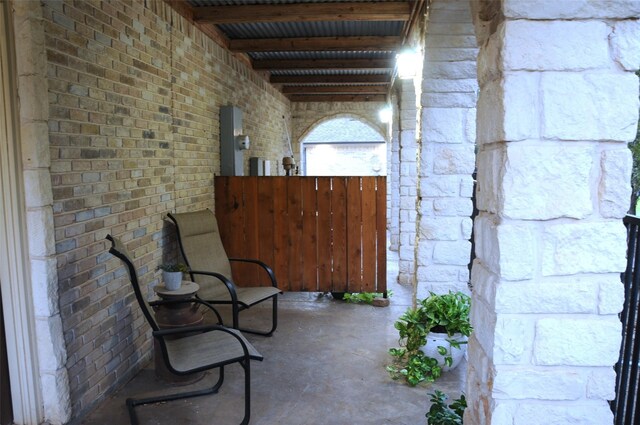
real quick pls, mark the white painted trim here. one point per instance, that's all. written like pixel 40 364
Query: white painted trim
pixel 14 273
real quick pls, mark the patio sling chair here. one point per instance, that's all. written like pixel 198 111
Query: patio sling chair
pixel 204 254
pixel 190 349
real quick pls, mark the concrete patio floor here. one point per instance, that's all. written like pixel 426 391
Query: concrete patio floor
pixel 325 364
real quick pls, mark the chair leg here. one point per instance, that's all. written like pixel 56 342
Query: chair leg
pixel 132 403
pixel 274 321
pixel 247 391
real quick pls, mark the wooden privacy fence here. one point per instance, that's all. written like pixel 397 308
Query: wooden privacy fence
pixel 317 233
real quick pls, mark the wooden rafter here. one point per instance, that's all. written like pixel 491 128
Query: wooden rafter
pixel 327 79
pixel 324 64
pixel 211 31
pixel 350 89
pixel 304 12
pixel 416 11
pixel 314 88
pixel 337 97
pixel 369 43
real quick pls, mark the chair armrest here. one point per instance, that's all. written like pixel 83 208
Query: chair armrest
pixel 188 329
pixel 188 300
pixel 230 286
pixel 201 329
pixel 266 268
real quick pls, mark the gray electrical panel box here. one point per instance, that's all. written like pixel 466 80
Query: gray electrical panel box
pixel 231 156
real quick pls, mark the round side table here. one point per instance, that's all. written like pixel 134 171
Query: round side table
pixel 176 316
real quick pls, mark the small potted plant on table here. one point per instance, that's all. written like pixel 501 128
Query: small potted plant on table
pixel 432 337
pixel 172 275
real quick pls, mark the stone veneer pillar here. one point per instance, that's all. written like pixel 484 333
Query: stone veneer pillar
pixel 558 104
pixel 449 95
pixel 408 181
pixel 31 66
pixel 393 178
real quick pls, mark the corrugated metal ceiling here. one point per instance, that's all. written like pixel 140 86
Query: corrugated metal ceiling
pixel 306 55
pixel 311 29
pixel 330 72
pixel 356 66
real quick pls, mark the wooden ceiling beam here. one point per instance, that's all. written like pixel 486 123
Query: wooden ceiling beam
pixel 337 97
pixel 328 79
pixel 358 89
pixel 417 10
pixel 211 31
pixel 304 12
pixel 368 43
pixel 323 64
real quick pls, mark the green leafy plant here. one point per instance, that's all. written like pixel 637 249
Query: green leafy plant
pixel 441 414
pixel 447 313
pixel 414 368
pixel 364 297
pixel 179 267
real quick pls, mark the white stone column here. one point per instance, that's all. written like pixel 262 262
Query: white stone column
pixel 393 178
pixel 449 95
pixel 558 104
pixel 408 181
pixel 34 112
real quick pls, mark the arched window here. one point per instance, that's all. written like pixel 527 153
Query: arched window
pixel 344 146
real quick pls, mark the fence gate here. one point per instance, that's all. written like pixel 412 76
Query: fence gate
pixel 625 407
pixel 319 234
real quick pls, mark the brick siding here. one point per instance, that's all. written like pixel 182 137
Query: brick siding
pixel 134 95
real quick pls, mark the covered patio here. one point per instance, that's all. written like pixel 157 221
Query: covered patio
pixel 325 365
pixel 511 133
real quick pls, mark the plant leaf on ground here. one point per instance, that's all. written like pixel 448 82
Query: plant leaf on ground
pixel 364 297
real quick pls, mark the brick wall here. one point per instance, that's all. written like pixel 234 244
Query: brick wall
pixel 134 94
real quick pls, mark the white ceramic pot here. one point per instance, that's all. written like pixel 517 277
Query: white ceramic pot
pixel 435 340
pixel 172 280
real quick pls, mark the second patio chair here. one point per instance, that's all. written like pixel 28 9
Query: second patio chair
pixel 202 250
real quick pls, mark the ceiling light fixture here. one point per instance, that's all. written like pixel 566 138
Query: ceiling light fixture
pixel 408 62
pixel 385 114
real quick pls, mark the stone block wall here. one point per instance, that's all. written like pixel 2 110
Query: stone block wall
pixel 558 105
pixel 53 402
pixel 134 96
pixel 449 95
pixel 393 178
pixel 408 95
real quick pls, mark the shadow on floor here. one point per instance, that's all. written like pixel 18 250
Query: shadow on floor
pixel 324 365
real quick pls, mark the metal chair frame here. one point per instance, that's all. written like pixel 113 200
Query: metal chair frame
pixel 118 250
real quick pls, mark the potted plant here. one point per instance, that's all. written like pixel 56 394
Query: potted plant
pixel 172 275
pixel 432 336
pixel 448 316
